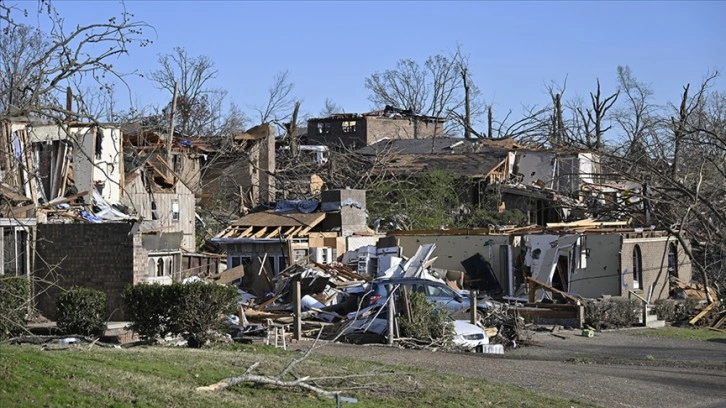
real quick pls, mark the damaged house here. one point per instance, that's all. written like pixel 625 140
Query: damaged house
pixel 87 222
pixel 546 186
pixel 238 174
pixel 356 130
pixel 587 259
pixel 268 242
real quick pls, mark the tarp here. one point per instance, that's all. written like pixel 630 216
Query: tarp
pixel 303 206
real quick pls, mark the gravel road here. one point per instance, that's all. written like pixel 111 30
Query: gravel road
pixel 612 369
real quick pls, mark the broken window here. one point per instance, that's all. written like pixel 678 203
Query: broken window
pixel 176 163
pixel 240 260
pixel 323 128
pixel 637 268
pixel 349 126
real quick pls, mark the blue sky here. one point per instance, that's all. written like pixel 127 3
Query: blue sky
pixel 515 48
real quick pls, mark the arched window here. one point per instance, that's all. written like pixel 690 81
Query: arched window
pixel 160 267
pixel 151 269
pixel 637 268
pixel 672 259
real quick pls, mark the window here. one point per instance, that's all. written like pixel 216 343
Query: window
pixel 175 211
pixel 151 269
pixel 176 163
pixel 160 267
pixel 240 260
pixel 672 259
pixel 323 128
pixel 12 256
pixel 637 268
pixel 349 126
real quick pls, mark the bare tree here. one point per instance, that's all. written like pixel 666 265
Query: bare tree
pixel 279 102
pixel 330 108
pixel 681 168
pixel 592 118
pixel 199 106
pixel 39 66
pixel 439 87
pixel 639 118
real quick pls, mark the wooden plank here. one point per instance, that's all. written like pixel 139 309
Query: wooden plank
pixel 704 312
pixel 274 233
pixel 64 200
pixel 260 233
pixel 551 289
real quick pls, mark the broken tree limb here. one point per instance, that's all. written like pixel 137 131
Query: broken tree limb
pixel 227 382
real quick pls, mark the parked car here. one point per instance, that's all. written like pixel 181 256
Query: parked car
pixel 436 292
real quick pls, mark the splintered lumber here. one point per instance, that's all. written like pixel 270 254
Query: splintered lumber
pixel 258 315
pixel 268 302
pixel 533 283
pixel 704 312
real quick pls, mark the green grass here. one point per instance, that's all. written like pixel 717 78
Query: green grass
pixel 161 377
pixel 685 333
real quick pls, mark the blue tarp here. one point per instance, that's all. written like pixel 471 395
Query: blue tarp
pixel 303 206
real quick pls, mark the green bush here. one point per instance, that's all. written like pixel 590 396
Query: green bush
pixel 200 310
pixel 612 313
pixel 426 323
pixel 14 297
pixel 148 307
pixel 192 311
pixel 81 311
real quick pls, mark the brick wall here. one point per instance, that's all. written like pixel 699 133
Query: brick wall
pixel 98 256
pixel 368 130
pixel 654 264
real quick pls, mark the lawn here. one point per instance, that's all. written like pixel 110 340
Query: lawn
pixel 686 333
pixel 160 377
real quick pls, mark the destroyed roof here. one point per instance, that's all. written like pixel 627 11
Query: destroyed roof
pixel 271 225
pixel 439 145
pixel 475 165
pixel 417 146
pixel 389 112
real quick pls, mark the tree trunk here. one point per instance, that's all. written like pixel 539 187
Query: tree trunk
pixel 291 128
pixel 467 104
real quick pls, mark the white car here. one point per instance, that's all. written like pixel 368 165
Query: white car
pixel 467 336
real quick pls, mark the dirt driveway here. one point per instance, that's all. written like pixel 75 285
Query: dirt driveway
pixel 612 369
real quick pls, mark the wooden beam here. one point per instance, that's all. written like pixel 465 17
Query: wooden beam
pixel 64 200
pixel 274 233
pixel 260 233
pixel 543 285
pixel 704 312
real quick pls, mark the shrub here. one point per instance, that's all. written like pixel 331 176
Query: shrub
pixel 82 311
pixel 612 313
pixel 426 322
pixel 191 310
pixel 14 297
pixel 200 309
pixel 148 307
pixel 678 312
